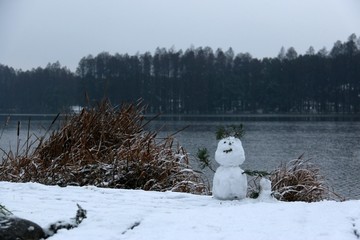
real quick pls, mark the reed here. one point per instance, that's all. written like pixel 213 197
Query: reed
pixel 107 146
pixel 300 180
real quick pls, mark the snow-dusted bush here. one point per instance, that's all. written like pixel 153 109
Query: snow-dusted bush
pixel 107 147
pixel 299 180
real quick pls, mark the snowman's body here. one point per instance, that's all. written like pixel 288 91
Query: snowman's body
pixel 265 190
pixel 229 181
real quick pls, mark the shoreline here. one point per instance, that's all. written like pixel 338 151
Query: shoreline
pixel 202 117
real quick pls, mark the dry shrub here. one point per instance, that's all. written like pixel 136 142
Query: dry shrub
pixel 299 180
pixel 106 147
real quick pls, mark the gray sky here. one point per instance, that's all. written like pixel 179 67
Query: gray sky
pixel 35 32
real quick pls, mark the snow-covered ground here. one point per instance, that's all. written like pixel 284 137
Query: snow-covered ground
pixel 132 214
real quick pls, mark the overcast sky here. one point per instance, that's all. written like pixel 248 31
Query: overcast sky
pixel 35 32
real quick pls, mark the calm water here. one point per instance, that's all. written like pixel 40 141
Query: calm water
pixel 333 145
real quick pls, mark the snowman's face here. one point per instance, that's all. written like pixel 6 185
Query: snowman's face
pixel 230 152
pixel 226 145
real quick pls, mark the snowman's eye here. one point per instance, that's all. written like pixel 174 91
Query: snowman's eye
pixel 229 143
pixel 224 142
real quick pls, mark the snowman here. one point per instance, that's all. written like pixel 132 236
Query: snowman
pixel 265 190
pixel 229 181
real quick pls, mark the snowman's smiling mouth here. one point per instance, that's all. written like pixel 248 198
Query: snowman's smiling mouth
pixel 228 150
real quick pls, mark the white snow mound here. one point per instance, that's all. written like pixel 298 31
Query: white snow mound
pixel 133 214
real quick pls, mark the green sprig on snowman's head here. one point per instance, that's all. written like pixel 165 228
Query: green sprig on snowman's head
pixel 236 131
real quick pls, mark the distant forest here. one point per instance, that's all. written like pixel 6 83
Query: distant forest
pixel 195 81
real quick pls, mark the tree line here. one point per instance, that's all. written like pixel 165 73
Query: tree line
pixel 195 81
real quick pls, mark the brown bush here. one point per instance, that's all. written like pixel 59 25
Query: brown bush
pixel 106 147
pixel 299 180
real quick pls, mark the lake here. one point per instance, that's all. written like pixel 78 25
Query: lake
pixel 332 144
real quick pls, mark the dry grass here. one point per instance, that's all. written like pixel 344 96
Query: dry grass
pixel 4 212
pixel 299 180
pixel 106 147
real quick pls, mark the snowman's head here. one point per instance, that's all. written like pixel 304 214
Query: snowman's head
pixel 230 152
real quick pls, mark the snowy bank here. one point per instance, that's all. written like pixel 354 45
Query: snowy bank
pixel 134 214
